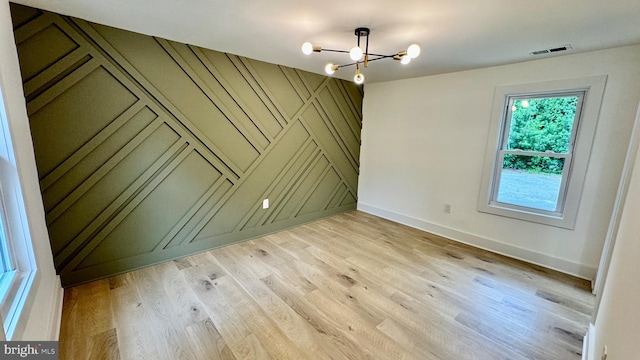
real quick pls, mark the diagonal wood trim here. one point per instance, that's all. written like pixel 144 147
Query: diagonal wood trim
pixel 89 182
pixel 282 198
pixel 229 89
pixel 109 55
pixel 249 73
pixel 202 85
pixel 33 27
pixel 189 215
pixel 289 74
pixel 186 236
pixel 325 86
pixel 176 155
pixel 46 97
pixel 339 197
pixel 211 213
pixel 295 184
pixel 348 115
pixel 191 235
pixel 310 101
pixel 335 190
pixel 338 137
pixel 344 197
pixel 269 191
pixel 298 115
pixel 92 144
pixel 54 73
pixel 321 146
pixel 110 212
pixel 313 188
pixel 132 85
pixel 357 111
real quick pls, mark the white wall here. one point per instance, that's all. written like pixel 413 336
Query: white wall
pixel 618 321
pixel 423 145
pixel 41 317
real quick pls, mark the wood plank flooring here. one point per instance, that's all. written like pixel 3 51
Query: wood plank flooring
pixel 352 286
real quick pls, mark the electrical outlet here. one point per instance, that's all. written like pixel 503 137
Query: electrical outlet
pixel 265 203
pixel 447 208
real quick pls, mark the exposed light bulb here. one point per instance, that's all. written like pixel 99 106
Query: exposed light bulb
pixel 355 53
pixel 307 48
pixel 413 51
pixel 358 79
pixel 330 68
pixel 405 60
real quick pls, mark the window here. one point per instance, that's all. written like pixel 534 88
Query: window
pixel 7 270
pixel 539 148
pixel 534 158
pixel 17 263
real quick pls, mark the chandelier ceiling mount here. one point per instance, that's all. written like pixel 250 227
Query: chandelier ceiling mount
pixel 361 56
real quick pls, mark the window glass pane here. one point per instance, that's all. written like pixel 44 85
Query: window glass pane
pixel 5 261
pixel 542 124
pixel 4 250
pixel 523 184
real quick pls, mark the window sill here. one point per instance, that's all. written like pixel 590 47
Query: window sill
pixel 521 213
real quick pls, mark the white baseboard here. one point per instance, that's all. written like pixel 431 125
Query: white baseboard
pixel 588 345
pixel 534 257
pixel 55 322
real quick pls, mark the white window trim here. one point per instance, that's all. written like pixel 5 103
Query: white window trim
pixel 594 90
pixel 17 232
pixel 568 156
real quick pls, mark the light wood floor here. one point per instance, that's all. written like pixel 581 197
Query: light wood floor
pixel 352 286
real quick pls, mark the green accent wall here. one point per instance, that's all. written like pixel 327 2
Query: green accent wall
pixel 149 150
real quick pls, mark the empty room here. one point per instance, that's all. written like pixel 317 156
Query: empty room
pixel 319 180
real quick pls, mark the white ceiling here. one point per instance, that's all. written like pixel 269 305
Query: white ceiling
pixel 454 34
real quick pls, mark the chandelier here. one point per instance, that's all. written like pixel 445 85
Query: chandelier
pixel 362 56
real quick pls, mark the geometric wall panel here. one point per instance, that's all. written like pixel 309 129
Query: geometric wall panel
pixel 148 149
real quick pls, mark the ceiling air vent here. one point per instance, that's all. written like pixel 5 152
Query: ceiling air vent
pixel 551 50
